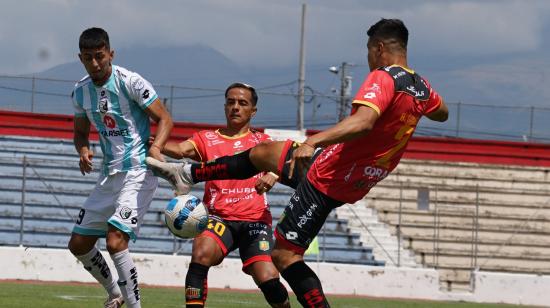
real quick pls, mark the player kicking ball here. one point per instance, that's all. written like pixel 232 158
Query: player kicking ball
pixel 357 153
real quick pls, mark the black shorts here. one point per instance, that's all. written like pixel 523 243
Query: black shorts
pixel 254 239
pixel 303 217
pixel 284 168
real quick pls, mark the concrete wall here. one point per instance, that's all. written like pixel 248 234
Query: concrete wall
pixel 60 265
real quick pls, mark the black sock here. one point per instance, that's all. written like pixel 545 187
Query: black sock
pixel 237 167
pixel 305 284
pixel 274 291
pixel 196 285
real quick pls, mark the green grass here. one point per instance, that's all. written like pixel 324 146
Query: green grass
pixel 43 295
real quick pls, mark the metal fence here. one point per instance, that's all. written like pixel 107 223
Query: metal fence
pixel 451 227
pixel 279 109
pixel 50 197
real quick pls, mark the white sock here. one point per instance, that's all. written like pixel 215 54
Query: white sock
pixel 187 173
pixel 127 278
pixel 94 263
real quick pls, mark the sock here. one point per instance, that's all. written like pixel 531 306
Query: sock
pixel 237 167
pixel 274 291
pixel 196 285
pixel 305 284
pixel 94 263
pixel 127 278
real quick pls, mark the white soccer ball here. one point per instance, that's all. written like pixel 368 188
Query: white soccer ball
pixel 186 216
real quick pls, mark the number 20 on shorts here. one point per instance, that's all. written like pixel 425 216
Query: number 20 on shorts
pixel 216 226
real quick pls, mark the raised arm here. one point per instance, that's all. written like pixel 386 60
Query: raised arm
pixel 185 149
pixel 358 124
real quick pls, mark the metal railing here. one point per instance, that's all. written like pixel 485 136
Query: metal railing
pixel 30 171
pixel 195 104
pixel 442 210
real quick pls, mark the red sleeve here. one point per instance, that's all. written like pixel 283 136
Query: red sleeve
pixel 199 145
pixel 434 101
pixel 376 92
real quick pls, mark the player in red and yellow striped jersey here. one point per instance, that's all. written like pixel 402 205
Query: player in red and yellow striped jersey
pixel 357 153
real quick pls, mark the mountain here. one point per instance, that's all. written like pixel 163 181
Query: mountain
pixel 200 74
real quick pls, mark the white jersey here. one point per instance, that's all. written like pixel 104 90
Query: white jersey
pixel 116 109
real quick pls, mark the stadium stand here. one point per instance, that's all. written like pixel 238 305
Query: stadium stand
pixel 479 216
pixel 457 205
pixel 42 190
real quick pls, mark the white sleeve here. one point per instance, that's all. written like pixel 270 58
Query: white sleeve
pixel 141 91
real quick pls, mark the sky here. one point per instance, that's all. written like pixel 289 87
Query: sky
pixel 36 35
pixel 486 52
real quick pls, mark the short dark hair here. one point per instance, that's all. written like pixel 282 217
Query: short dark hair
pixel 244 86
pixel 94 38
pixel 390 29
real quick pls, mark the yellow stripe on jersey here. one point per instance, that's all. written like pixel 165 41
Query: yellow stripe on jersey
pixel 195 146
pixel 368 104
pixel 232 137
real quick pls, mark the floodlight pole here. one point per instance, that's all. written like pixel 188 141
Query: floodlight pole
pixel 345 90
pixel 302 73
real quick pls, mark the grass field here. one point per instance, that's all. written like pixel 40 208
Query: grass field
pixel 29 294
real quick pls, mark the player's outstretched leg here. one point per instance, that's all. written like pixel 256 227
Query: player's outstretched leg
pixel 173 173
pixel 263 157
pixel 183 175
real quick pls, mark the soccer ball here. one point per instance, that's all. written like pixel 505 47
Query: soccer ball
pixel 186 216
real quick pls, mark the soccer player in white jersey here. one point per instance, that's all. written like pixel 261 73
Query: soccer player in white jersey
pixel 119 103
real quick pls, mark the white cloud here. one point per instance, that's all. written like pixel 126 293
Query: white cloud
pixel 476 28
pixel 264 33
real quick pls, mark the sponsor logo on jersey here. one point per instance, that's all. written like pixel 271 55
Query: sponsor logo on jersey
pixel 125 212
pixel 103 105
pixel 263 245
pixel 328 152
pixel 145 94
pixel 408 119
pixel 399 74
pixel 121 74
pixel 375 172
pixel 347 177
pixel 115 133
pixel 374 88
pixel 417 93
pixel 211 135
pixel 109 121
pixel 238 144
pixel 241 190
pixel 369 95
pixel 137 83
